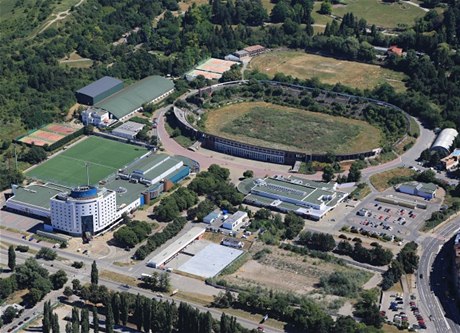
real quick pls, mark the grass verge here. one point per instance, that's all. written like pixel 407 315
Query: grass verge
pixel 361 191
pixel 384 180
pixel 116 277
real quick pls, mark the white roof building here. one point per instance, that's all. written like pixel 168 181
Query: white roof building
pixel 128 130
pixel 445 140
pixel 174 248
pixel 233 222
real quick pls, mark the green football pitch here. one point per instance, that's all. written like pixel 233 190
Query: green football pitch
pixel 103 156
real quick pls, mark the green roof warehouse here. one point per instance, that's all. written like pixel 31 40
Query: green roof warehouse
pixel 124 103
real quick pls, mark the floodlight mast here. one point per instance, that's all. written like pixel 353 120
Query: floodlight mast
pixel 87 173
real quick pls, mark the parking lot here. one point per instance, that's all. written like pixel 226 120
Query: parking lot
pixel 19 222
pixel 390 221
pixel 402 309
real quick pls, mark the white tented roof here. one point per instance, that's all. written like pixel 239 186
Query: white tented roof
pixel 445 139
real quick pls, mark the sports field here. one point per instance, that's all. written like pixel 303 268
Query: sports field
pixel 103 156
pixel 280 127
pixel 382 14
pixel 328 70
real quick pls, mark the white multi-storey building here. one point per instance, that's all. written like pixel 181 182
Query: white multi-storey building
pixel 85 209
pixel 96 117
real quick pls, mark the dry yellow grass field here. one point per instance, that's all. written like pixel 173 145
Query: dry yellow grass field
pixel 328 70
pixel 381 180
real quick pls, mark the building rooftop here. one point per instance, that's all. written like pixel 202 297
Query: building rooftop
pixel 127 192
pixel 456 152
pixel 293 194
pixel 425 187
pixel 215 65
pixel 37 195
pixel 134 96
pixel 210 260
pixel 131 126
pixel 97 87
pixel 176 246
pixel 160 169
pixel 254 48
pixel 428 187
pixel 207 75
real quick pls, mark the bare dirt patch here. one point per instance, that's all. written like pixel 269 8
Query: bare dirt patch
pixel 283 270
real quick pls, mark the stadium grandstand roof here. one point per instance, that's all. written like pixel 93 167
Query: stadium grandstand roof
pixel 100 86
pixel 134 96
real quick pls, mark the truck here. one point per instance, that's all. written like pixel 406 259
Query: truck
pixel 144 276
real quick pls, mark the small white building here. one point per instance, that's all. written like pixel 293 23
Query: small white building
pixel 128 130
pixel 96 117
pixel 232 242
pixel 235 220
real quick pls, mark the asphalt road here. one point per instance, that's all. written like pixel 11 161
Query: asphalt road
pixel 431 286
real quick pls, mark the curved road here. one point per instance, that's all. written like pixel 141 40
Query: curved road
pixel 428 279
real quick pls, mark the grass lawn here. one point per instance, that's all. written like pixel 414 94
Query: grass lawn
pixel 283 127
pixel 382 181
pixel 361 192
pixel 104 157
pixel 386 15
pixel 328 70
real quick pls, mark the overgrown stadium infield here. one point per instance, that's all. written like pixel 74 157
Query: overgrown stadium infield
pixel 103 156
pixel 281 127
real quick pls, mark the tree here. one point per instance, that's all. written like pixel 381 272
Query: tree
pixel 138 313
pixel 328 173
pixel 46 321
pixel 11 258
pixel 34 155
pixel 326 8
pixel 109 323
pixel 354 175
pixel 68 327
pixel 248 174
pixel 68 291
pixel 55 324
pixel 46 253
pixel 367 309
pixel 84 320
pixel 124 310
pixel 58 279
pixel 9 314
pixel 95 320
pixel 75 320
pixel 94 273
pixel 76 285
pixel 115 301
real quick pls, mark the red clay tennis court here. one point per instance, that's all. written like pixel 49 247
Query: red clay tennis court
pixel 48 134
pixel 58 128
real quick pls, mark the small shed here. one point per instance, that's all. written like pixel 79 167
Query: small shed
pixel 211 217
